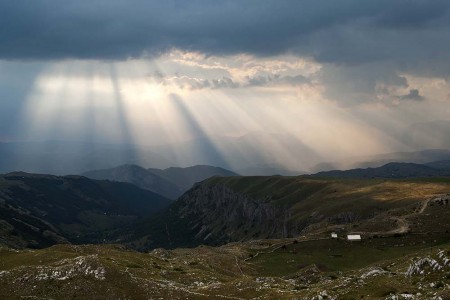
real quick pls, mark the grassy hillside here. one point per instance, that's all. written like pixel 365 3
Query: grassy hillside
pixel 41 210
pixel 330 197
pixel 221 210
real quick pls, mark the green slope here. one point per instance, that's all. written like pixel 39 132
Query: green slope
pixel 226 209
pixel 41 210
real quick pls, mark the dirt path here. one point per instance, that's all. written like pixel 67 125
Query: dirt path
pixel 403 227
pixel 403 224
pixel 280 245
pixel 425 204
pixel 238 265
pixel 275 247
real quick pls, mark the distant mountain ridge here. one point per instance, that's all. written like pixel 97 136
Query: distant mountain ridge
pixel 65 157
pixel 171 182
pixel 253 154
pixel 185 178
pixel 393 170
pixel 418 157
pixel 373 161
pixel 138 176
pixel 440 164
pixel 268 170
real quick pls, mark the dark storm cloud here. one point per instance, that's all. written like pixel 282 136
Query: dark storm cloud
pixel 342 32
pixel 413 94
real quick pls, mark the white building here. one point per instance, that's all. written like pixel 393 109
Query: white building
pixel 353 237
pixel 334 235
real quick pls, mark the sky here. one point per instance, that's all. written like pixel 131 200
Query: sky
pixel 342 78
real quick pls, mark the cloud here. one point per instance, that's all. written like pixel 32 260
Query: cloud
pixel 341 32
pixel 413 94
pixel 194 71
pixel 360 83
pixel 277 79
pixel 363 47
pixel 192 83
pixel 196 83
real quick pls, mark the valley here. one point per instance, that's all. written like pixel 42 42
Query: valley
pixel 258 150
pixel 231 238
pixel 38 211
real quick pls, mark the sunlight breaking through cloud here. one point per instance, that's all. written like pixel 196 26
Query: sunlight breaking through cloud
pixel 234 111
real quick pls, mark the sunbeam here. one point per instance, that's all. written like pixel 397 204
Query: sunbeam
pixel 234 112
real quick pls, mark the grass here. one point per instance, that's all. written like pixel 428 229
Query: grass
pixel 328 255
pixel 301 192
pixel 299 270
pixel 307 197
pixel 212 272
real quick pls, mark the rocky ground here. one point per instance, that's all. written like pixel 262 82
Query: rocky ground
pixel 227 272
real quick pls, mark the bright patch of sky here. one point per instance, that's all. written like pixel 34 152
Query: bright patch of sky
pixel 325 79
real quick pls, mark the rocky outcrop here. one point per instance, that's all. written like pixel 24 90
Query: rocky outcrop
pixel 343 218
pixel 232 209
pixel 217 213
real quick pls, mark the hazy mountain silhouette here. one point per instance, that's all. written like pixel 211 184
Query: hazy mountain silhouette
pixel 62 158
pixel 170 182
pixel 390 170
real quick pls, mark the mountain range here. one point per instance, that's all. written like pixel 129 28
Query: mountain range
pixel 64 158
pixel 219 207
pixel 254 154
pixel 417 157
pixel 221 210
pixel 235 236
pixel 394 170
pixel 170 182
